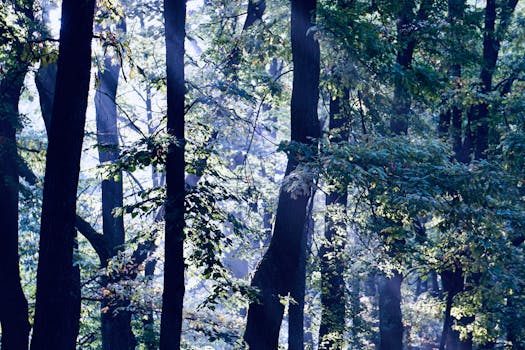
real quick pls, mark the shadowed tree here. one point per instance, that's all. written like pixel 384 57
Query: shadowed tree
pixel 408 20
pixel 57 309
pixel 475 143
pixel 333 296
pixel 13 304
pixel 115 319
pixel 173 295
pixel 280 264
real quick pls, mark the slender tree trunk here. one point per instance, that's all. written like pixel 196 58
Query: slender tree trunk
pixel 172 298
pixel 333 297
pixel 492 37
pixel 13 304
pixel 150 335
pixel 279 266
pixel 115 319
pixel 57 309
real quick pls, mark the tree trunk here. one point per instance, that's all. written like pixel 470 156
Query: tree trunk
pixel 150 334
pixel 452 284
pixel 279 266
pixel 115 319
pixel 492 37
pixel 476 140
pixel 333 298
pixel 172 298
pixel 57 309
pixel 390 318
pixel 13 304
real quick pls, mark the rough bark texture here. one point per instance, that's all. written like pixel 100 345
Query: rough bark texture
pixel 57 309
pixel 115 319
pixel 13 304
pixel 333 297
pixel 275 275
pixel 172 298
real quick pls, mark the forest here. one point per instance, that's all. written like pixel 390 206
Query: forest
pixel 256 174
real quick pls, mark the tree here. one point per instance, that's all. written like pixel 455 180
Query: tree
pixel 13 304
pixel 282 260
pixel 115 319
pixel 390 317
pixel 476 139
pixel 173 295
pixel 58 294
pixel 333 295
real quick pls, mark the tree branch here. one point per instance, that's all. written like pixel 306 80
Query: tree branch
pixel 94 238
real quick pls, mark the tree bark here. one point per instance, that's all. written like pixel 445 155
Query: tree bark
pixel 57 309
pixel 172 298
pixel 333 296
pixel 275 274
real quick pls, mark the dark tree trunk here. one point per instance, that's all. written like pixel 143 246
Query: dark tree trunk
pixel 254 12
pixel 13 304
pixel 150 335
pixel 115 319
pixel 390 317
pixel 172 298
pixel 390 320
pixel 406 21
pixel 453 279
pixel 479 112
pixel 57 309
pixel 476 140
pixel 453 284
pixel 333 297
pixel 492 37
pixel 276 273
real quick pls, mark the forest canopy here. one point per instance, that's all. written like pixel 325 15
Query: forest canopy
pixel 227 174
